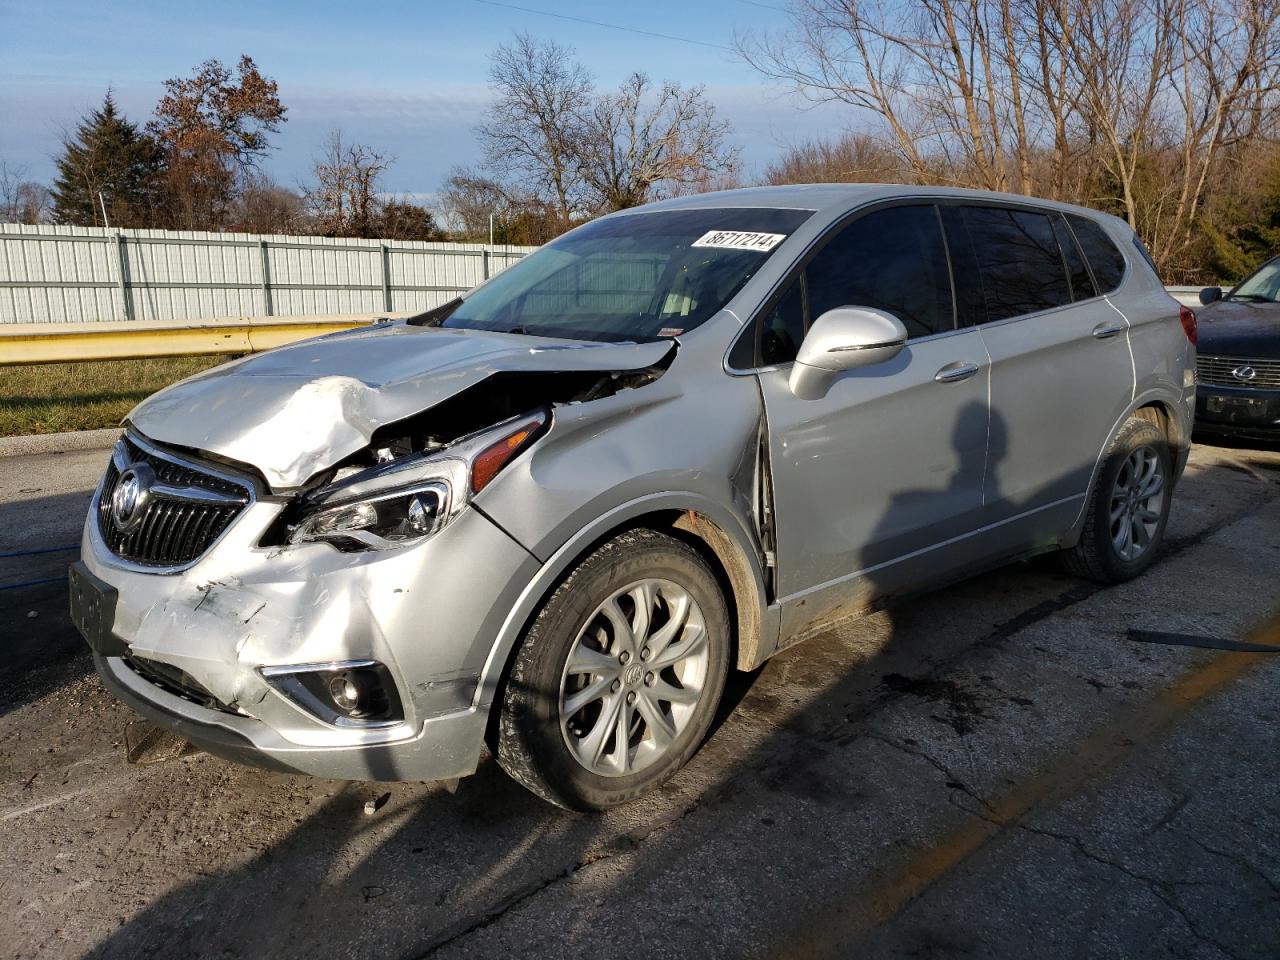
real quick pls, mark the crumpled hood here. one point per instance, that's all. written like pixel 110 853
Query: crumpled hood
pixel 299 409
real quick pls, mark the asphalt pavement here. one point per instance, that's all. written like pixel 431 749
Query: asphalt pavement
pixel 997 769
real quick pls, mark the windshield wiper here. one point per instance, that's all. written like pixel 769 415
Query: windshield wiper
pixel 1251 298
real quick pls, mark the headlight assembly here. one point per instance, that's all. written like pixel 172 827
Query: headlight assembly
pixel 389 520
pixel 398 503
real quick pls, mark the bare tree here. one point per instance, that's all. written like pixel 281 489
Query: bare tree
pixel 263 206
pixel 530 135
pixel 344 200
pixel 634 145
pixel 952 83
pixel 851 158
pixel 22 200
pixel 469 199
pixel 1126 104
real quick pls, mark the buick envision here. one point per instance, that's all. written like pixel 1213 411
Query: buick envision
pixel 551 515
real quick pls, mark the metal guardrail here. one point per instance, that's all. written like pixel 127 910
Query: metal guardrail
pixel 1187 296
pixel 25 343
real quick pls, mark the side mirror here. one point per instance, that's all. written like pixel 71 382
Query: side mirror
pixel 1210 295
pixel 844 339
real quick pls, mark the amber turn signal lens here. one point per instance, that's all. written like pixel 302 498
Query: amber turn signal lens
pixel 493 458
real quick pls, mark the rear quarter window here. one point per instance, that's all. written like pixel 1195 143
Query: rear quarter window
pixel 1145 254
pixel 1103 255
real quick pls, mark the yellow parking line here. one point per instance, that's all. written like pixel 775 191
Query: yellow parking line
pixel 884 897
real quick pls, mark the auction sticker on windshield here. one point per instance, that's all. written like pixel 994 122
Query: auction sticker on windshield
pixel 739 240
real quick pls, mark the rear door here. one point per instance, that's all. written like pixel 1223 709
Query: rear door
pixel 874 482
pixel 1061 369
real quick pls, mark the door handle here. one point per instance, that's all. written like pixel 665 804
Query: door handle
pixel 956 371
pixel 1107 330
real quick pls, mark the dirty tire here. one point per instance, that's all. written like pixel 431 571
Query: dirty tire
pixel 530 744
pixel 1096 556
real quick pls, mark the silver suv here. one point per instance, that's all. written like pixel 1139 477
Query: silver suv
pixel 551 515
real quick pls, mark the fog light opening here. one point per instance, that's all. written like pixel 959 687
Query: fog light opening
pixel 345 693
pixel 356 692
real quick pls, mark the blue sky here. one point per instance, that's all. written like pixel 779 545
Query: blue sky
pixel 408 78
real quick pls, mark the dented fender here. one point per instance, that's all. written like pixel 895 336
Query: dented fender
pixel 607 464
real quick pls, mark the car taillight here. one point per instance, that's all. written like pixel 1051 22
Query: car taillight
pixel 1188 323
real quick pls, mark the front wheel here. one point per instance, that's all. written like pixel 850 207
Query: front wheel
pixel 1128 507
pixel 617 681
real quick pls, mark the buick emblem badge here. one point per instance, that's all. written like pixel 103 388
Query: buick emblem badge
pixel 129 499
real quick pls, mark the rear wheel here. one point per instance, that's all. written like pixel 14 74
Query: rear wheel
pixel 617 680
pixel 1128 507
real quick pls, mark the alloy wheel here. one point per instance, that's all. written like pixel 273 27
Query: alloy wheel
pixel 634 677
pixel 1137 503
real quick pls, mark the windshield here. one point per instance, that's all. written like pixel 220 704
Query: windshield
pixel 637 277
pixel 1262 287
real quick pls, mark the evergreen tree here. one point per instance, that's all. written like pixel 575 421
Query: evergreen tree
pixel 109 156
pixel 1244 230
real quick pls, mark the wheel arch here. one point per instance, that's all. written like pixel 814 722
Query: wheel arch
pixel 721 539
pixel 1155 407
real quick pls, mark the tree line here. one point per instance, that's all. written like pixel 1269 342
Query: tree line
pixel 556 153
pixel 1163 112
pixel 197 164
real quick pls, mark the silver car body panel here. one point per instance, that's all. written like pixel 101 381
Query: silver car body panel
pixel 883 485
pixel 896 459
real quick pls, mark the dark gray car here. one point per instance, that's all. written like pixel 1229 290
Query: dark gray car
pixel 552 515
pixel 1238 367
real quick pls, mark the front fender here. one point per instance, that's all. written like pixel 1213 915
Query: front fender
pixel 756 619
pixel 606 464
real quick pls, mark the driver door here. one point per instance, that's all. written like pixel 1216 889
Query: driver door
pixel 876 483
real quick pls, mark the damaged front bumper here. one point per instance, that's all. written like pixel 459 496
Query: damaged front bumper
pixel 197 647
pixel 443 748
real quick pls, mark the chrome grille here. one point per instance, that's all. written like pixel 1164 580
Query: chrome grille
pixel 1219 370
pixel 188 506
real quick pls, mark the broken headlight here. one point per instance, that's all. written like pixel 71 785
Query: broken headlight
pixel 397 503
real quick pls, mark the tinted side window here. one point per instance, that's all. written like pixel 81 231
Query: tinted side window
pixel 971 309
pixel 1019 260
pixel 782 328
pixel 1082 287
pixel 893 260
pixel 1103 256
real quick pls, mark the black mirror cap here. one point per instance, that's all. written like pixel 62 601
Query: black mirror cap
pixel 1210 295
